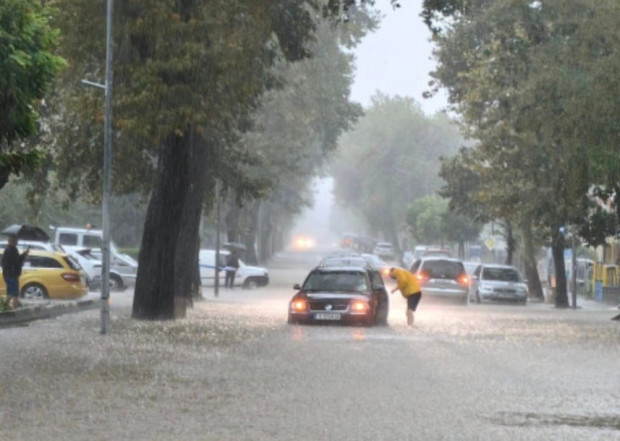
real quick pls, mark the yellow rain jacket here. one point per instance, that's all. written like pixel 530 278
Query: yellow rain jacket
pixel 406 282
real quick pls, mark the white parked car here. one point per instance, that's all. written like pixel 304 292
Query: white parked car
pixel 498 282
pixel 247 276
pixel 92 265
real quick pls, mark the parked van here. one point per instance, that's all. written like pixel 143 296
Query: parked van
pixel 247 276
pixel 74 239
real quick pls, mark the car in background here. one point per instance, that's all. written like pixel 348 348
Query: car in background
pixel 384 250
pixel 344 259
pixel 470 267
pixel 303 242
pixel 499 283
pixel 23 245
pixel 247 276
pixel 50 275
pixel 340 294
pixel 92 265
pixel 442 278
pixel 377 263
pixel 437 252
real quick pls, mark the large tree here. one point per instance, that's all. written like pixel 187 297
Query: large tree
pixel 27 68
pixel 389 160
pixel 187 77
pixel 518 74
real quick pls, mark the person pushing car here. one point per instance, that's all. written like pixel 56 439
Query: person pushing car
pixel 409 288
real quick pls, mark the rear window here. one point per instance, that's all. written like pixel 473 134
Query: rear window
pixel 501 274
pixel 72 263
pixel 442 269
pixel 41 262
pixel 336 281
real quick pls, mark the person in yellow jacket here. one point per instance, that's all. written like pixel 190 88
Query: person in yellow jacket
pixel 409 288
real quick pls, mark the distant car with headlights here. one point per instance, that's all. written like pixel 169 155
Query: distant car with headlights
pixel 442 278
pixel 340 294
pixel 498 283
pixel 50 275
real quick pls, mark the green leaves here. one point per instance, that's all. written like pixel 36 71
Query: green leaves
pixel 27 65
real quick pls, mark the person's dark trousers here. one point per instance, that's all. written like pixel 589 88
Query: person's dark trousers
pixel 230 279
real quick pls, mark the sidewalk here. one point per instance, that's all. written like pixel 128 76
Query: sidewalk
pixel 51 308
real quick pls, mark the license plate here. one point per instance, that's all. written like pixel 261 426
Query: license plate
pixel 327 316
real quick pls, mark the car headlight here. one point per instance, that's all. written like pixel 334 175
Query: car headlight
pixel 359 306
pixel 299 305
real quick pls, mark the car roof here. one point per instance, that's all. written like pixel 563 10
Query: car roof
pixel 341 268
pixel 497 265
pixel 431 258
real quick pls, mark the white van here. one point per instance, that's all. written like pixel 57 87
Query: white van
pixel 74 239
pixel 247 276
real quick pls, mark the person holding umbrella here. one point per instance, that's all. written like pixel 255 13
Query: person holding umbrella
pixel 12 263
pixel 232 265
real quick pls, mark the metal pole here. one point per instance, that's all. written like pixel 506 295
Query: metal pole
pixel 217 239
pixel 107 168
pixel 574 270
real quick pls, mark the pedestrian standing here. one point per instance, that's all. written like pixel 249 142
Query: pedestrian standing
pixel 232 265
pixel 409 288
pixel 12 263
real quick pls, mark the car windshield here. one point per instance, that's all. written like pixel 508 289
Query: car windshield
pixel 501 274
pixel 336 281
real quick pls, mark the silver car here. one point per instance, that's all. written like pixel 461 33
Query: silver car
pixel 442 277
pixel 498 282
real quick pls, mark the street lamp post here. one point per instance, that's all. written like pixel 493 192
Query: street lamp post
pixel 107 169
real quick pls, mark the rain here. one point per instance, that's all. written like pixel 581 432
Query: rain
pixel 289 138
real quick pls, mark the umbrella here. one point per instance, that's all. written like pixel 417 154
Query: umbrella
pixel 26 232
pixel 234 246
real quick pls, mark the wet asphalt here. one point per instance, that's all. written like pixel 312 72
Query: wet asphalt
pixel 234 370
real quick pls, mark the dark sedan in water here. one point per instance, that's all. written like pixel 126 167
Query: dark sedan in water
pixel 340 294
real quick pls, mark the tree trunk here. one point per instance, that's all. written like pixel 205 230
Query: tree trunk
pixel 557 249
pixel 167 253
pixel 529 258
pixel 511 244
pixel 251 213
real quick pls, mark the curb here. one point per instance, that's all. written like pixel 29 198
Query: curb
pixel 50 310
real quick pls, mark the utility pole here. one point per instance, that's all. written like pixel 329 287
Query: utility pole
pixel 107 169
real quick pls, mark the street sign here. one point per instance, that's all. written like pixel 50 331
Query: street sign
pixel 490 242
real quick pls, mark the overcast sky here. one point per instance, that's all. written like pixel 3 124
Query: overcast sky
pixel 396 59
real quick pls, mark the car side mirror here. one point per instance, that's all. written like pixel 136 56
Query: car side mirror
pixel 297 286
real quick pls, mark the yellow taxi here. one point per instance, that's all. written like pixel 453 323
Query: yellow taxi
pixel 49 275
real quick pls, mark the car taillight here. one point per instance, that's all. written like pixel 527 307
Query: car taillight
pixel 464 280
pixel 359 306
pixel 71 277
pixel 421 277
pixel 299 305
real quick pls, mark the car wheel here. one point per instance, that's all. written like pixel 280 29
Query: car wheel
pixel 116 283
pixel 478 300
pixel 251 283
pixel 34 291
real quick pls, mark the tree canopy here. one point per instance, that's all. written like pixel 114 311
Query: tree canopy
pixel 28 66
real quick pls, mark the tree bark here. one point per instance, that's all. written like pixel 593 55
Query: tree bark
pixel 529 258
pixel 557 250
pixel 167 253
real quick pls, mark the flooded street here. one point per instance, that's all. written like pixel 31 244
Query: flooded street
pixel 234 370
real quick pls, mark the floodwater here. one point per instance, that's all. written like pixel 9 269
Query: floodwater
pixel 234 370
